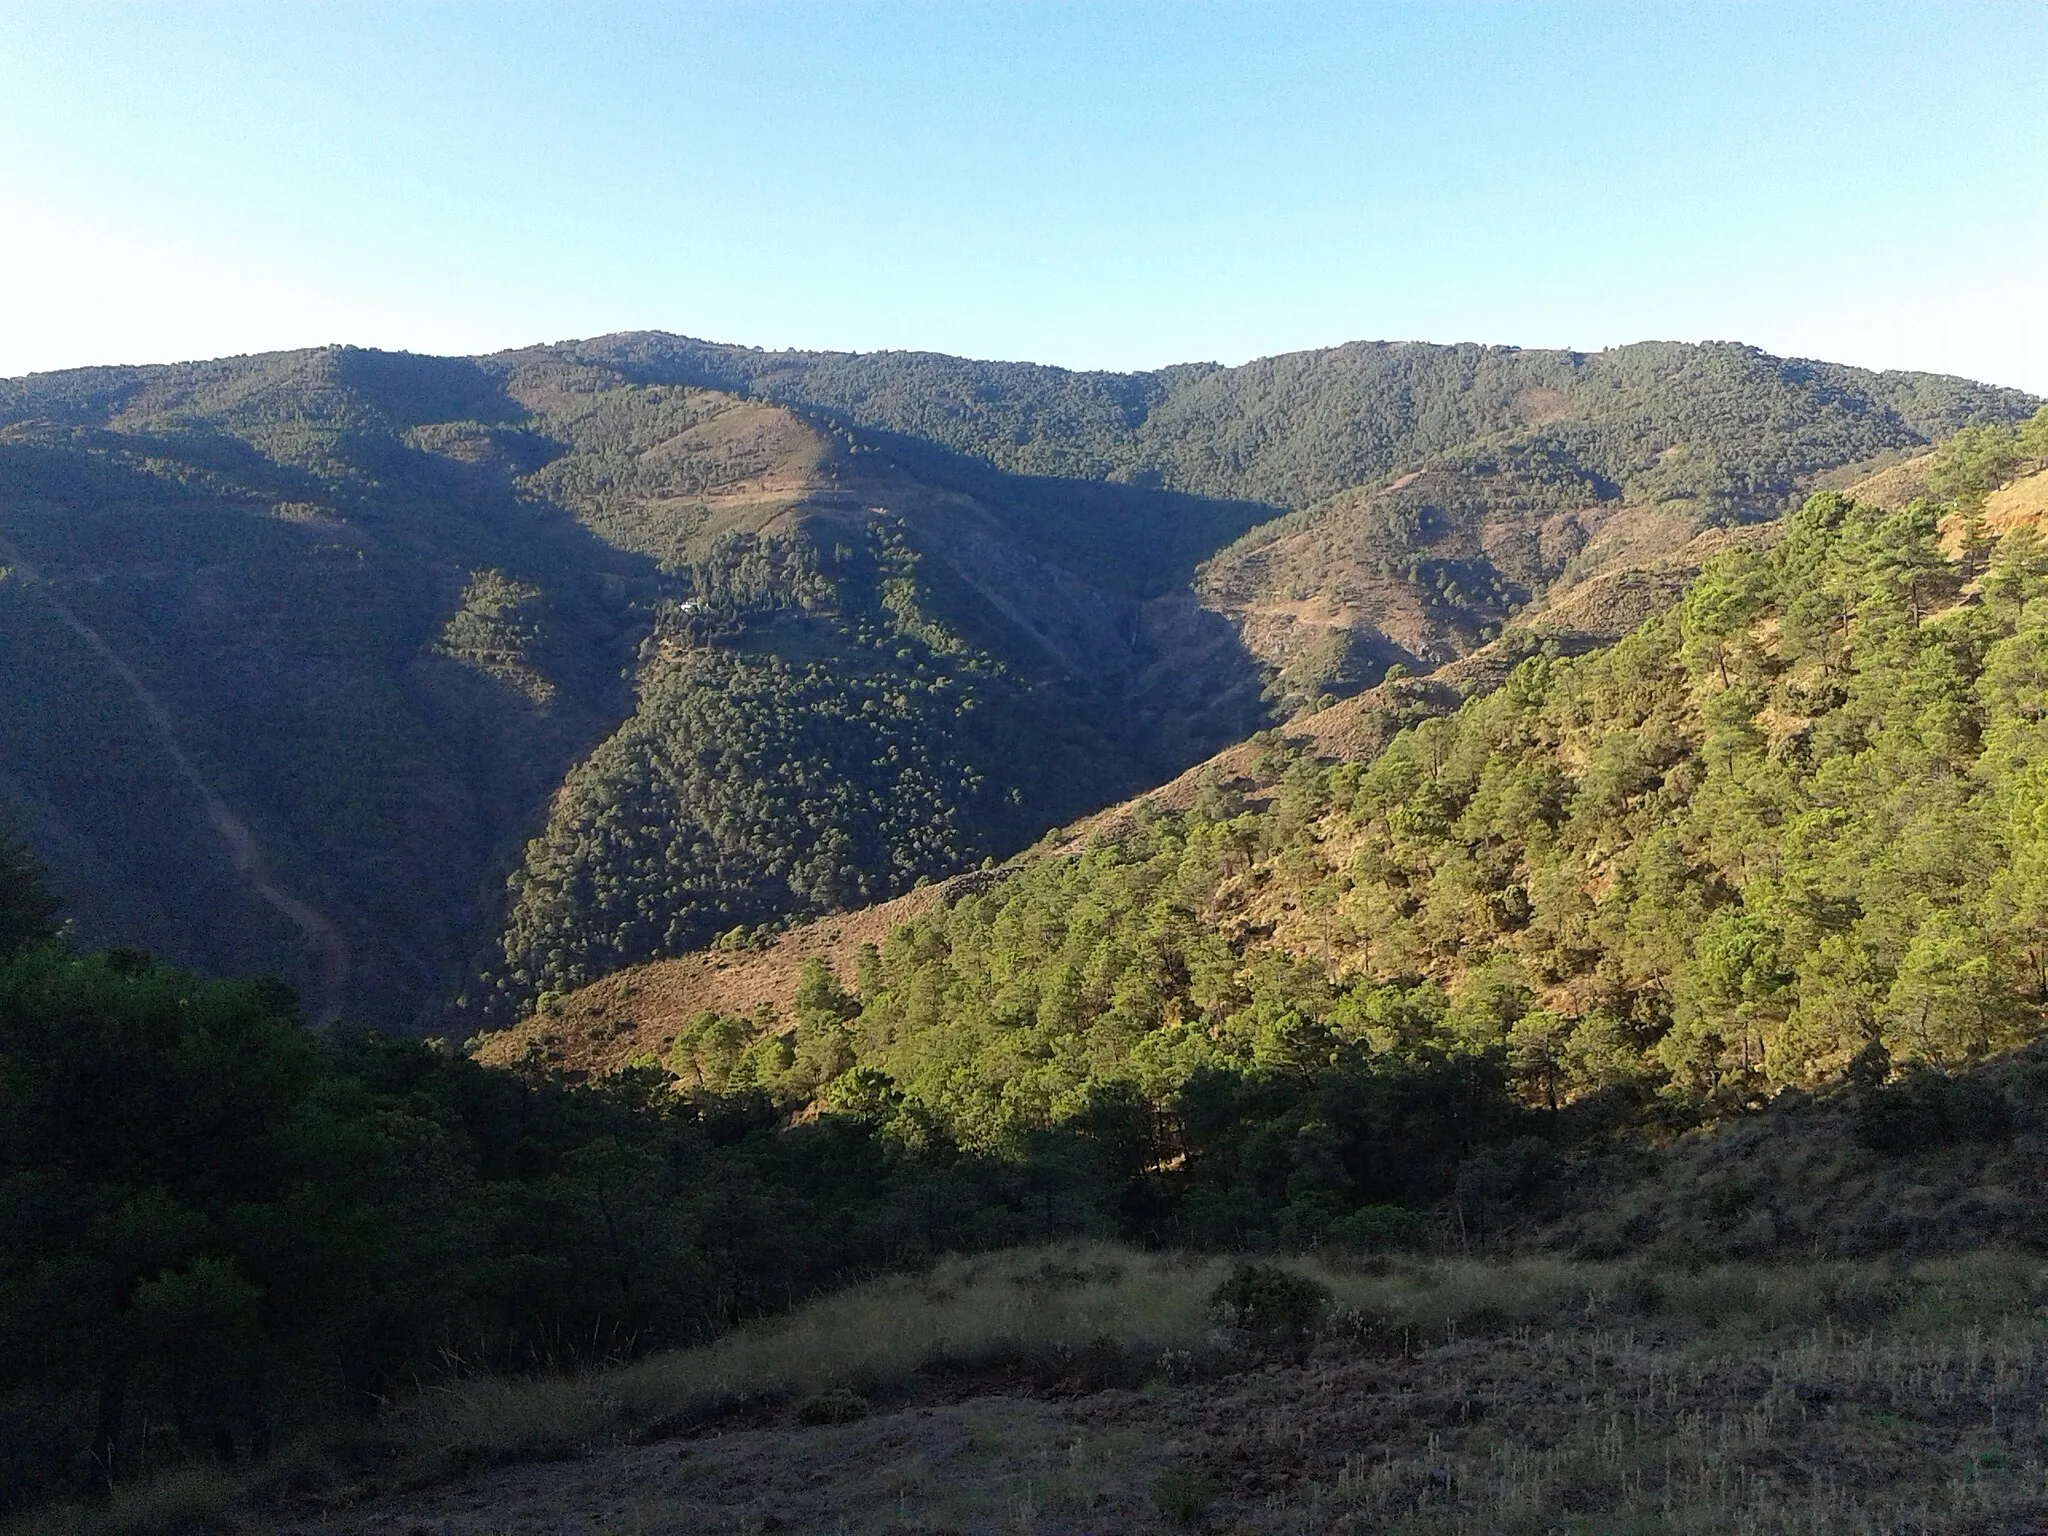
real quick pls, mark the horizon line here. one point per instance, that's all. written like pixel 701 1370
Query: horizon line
pixel 1018 362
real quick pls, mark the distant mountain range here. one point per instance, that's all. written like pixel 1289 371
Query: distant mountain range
pixel 436 685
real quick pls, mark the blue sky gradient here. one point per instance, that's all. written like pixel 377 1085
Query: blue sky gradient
pixel 1092 185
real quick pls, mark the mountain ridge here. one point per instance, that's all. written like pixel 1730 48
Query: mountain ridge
pixel 397 603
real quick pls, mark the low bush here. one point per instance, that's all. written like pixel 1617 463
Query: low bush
pixel 1268 1306
pixel 1183 1498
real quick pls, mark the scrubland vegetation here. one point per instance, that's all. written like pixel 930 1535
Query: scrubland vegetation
pixel 1092 1387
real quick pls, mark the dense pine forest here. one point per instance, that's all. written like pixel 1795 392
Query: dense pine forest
pixel 1788 833
pixel 1785 836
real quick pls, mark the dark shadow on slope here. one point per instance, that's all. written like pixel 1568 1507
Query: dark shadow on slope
pixel 1133 539
pixel 282 613
pixel 1088 584
pixel 1137 541
pixel 415 389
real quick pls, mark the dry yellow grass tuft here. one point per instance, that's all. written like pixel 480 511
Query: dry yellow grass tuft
pixel 1892 487
pixel 961 1316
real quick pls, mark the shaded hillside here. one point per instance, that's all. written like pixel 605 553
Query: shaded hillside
pixel 384 605
pixel 1654 419
pixel 879 674
pixel 381 656
pixel 684 638
pixel 1931 1163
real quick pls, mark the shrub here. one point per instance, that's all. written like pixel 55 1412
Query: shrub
pixel 1728 1201
pixel 1639 1291
pixel 1498 1182
pixel 1269 1306
pixel 1379 1228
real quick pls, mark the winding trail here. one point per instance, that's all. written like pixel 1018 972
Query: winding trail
pixel 318 930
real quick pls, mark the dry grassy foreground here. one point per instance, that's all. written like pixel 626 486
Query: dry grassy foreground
pixel 1088 1389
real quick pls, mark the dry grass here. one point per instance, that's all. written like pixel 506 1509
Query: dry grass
pixel 1087 1387
pixel 1033 1310
pixel 2024 503
pixel 1891 487
pixel 1832 1433
pixel 1794 1181
pixel 189 1501
pixel 963 1316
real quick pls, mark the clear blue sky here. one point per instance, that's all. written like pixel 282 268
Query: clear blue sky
pixel 1095 185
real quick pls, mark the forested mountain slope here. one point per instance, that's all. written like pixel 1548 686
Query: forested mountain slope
pixel 1788 833
pixel 683 638
pixel 377 653
pixel 1786 841
pixel 639 1011
pixel 1437 489
pixel 809 677
pixel 1298 429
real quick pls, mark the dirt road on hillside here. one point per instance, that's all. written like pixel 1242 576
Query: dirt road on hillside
pixel 318 930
